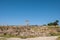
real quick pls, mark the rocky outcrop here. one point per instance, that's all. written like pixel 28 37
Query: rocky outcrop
pixel 27 31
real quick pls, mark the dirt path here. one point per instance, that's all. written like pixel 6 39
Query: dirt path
pixel 37 38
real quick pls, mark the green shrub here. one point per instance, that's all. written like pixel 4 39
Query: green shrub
pixel 53 34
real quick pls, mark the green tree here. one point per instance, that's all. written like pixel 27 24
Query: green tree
pixel 50 24
pixel 54 23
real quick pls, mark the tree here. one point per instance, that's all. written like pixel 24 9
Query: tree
pixel 50 24
pixel 53 23
pixel 56 23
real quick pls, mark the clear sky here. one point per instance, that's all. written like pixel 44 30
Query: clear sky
pixel 15 12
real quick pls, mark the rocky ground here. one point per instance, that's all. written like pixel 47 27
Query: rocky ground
pixel 29 31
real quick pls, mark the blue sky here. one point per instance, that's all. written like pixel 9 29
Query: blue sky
pixel 15 12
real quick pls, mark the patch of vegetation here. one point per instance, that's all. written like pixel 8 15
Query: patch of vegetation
pixel 14 36
pixel 54 34
pixel 24 37
pixel 3 39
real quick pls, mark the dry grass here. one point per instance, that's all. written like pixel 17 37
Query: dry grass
pixel 58 38
pixel 3 39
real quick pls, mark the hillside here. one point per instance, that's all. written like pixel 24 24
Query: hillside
pixel 29 31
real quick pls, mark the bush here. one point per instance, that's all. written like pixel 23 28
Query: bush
pixel 53 34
